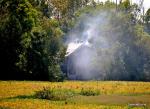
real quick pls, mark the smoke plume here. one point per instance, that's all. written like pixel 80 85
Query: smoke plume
pixel 105 50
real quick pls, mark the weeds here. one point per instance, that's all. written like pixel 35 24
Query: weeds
pixel 63 94
pixel 54 94
pixel 89 92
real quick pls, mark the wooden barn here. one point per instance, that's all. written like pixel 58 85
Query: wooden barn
pixel 76 64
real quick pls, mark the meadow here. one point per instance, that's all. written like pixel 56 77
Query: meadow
pixel 112 95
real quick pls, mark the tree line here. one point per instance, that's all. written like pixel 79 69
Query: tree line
pixel 32 34
pixel 127 55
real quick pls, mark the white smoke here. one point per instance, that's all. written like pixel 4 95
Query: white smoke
pixel 99 41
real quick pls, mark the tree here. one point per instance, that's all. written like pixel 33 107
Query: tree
pixel 42 55
pixel 124 54
pixel 30 42
pixel 147 20
pixel 55 49
pixel 18 20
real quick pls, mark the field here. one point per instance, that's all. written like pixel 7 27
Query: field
pixel 113 95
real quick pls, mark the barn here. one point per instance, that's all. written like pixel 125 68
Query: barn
pixel 78 61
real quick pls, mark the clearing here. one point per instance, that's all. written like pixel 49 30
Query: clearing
pixel 113 95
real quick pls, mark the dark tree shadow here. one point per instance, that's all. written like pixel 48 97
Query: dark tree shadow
pixel 19 97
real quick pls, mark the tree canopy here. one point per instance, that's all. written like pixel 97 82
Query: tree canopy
pixel 33 32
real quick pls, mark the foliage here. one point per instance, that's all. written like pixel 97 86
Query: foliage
pixel 63 94
pixel 147 21
pixel 45 94
pixel 53 94
pixel 30 41
pixel 32 34
pixel 128 56
pixel 89 92
pixel 17 22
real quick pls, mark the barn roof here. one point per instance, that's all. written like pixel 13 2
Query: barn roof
pixel 73 46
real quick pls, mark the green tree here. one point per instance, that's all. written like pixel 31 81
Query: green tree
pixel 54 48
pixel 18 20
pixel 147 20
pixel 31 43
pixel 43 49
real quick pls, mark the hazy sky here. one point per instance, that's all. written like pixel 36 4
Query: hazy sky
pixel 146 3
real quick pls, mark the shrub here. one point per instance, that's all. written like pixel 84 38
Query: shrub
pixel 89 92
pixel 44 94
pixel 54 94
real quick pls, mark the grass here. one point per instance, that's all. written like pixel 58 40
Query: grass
pixel 111 99
pixel 111 95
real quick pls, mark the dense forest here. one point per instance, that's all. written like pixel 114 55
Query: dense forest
pixel 33 33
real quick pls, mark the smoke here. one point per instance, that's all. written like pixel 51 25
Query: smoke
pixel 103 41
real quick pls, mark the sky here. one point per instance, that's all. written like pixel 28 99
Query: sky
pixel 146 3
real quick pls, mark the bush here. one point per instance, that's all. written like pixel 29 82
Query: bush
pixel 89 92
pixel 63 94
pixel 54 94
pixel 44 94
